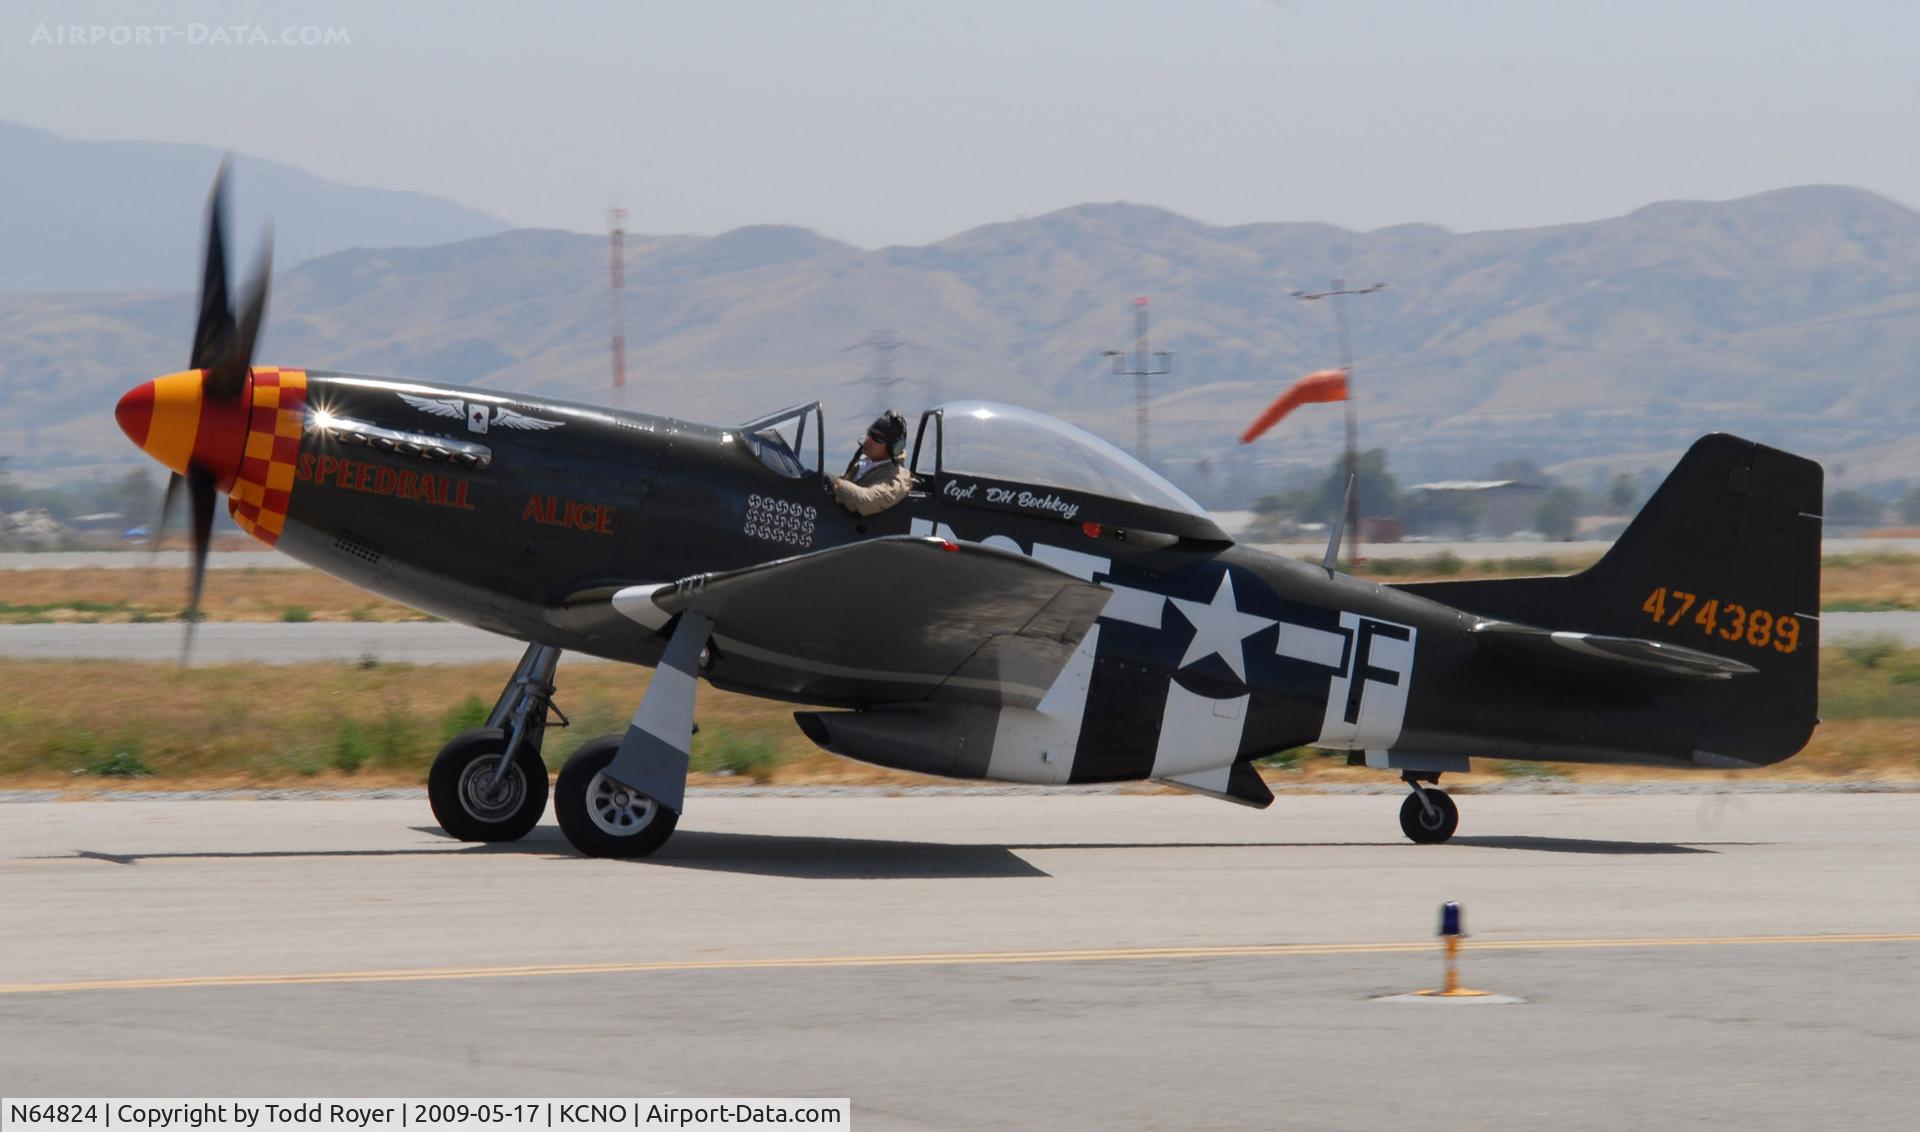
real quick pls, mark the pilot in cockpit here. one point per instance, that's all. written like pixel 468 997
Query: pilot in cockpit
pixel 876 479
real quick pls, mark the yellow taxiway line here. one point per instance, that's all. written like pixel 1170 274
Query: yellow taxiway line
pixel 936 959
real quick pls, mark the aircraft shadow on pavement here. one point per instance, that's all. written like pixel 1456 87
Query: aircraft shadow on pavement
pixel 844 858
pixel 1536 844
pixel 552 847
pixel 838 858
pixel 1583 845
pixel 848 858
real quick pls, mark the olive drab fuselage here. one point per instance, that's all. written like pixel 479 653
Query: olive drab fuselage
pixel 522 516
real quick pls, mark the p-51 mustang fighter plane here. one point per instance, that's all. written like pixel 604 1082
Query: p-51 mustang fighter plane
pixel 1041 608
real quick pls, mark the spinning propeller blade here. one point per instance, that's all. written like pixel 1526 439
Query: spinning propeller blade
pixel 215 324
pixel 194 422
pixel 201 491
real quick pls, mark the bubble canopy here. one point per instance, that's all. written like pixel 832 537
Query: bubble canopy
pixel 1004 442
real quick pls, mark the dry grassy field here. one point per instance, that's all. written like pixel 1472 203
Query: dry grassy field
pixel 90 725
pixel 251 594
pixel 1849 582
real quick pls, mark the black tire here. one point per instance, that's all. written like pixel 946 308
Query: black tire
pixel 600 817
pixel 1423 828
pixel 463 799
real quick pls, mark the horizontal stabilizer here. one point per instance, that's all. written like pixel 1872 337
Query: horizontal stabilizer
pixel 889 620
pixel 1619 654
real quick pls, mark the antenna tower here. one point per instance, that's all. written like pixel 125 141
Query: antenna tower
pixel 1147 363
pixel 617 241
pixel 1337 292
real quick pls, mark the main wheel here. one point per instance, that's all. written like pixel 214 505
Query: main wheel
pixel 466 800
pixel 601 817
pixel 1425 828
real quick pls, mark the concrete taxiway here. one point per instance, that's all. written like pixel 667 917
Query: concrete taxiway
pixel 263 642
pixel 1070 961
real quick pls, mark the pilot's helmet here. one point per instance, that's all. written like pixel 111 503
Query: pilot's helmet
pixel 890 429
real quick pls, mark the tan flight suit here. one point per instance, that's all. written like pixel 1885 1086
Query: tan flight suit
pixel 885 484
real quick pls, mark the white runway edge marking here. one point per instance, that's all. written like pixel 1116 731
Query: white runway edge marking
pixel 938 959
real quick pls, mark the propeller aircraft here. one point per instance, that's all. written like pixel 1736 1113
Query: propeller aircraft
pixel 1040 608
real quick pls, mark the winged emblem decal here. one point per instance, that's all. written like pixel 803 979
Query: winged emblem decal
pixel 476 415
pixel 504 417
pixel 452 407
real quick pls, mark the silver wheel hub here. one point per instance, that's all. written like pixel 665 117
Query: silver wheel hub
pixel 486 800
pixel 617 810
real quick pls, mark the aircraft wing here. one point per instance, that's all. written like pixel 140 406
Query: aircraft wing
pixel 1616 654
pixel 889 620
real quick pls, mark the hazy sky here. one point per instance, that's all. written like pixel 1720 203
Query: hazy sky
pixel 905 122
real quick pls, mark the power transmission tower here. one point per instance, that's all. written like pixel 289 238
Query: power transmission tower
pixel 616 237
pixel 1336 292
pixel 1146 363
pixel 880 373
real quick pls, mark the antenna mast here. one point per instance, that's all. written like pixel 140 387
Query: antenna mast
pixel 617 240
pixel 1146 363
pixel 1353 417
pixel 880 373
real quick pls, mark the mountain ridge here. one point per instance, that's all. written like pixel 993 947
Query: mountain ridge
pixel 1791 316
pixel 91 215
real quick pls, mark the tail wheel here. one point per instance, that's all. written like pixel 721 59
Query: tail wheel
pixel 601 817
pixel 472 801
pixel 1429 828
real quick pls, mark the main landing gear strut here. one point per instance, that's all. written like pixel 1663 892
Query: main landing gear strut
pixel 618 795
pixel 621 796
pixel 488 784
pixel 1428 816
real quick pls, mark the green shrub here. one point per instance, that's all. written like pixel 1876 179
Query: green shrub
pixel 400 740
pixel 750 756
pixel 1868 652
pixel 351 748
pixel 1289 759
pixel 1863 605
pixel 1527 770
pixel 118 760
pixel 463 716
pixel 121 764
pixel 1876 684
pixel 296 614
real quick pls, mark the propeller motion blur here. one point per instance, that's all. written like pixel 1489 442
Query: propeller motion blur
pixel 195 421
pixel 1041 608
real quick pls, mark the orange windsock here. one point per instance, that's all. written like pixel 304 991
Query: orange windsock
pixel 1324 385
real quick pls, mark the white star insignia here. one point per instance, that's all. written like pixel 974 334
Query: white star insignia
pixel 1219 628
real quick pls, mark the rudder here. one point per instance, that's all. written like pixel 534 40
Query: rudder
pixel 1724 558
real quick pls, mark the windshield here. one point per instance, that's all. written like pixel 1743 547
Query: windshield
pixel 1002 442
pixel 781 440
